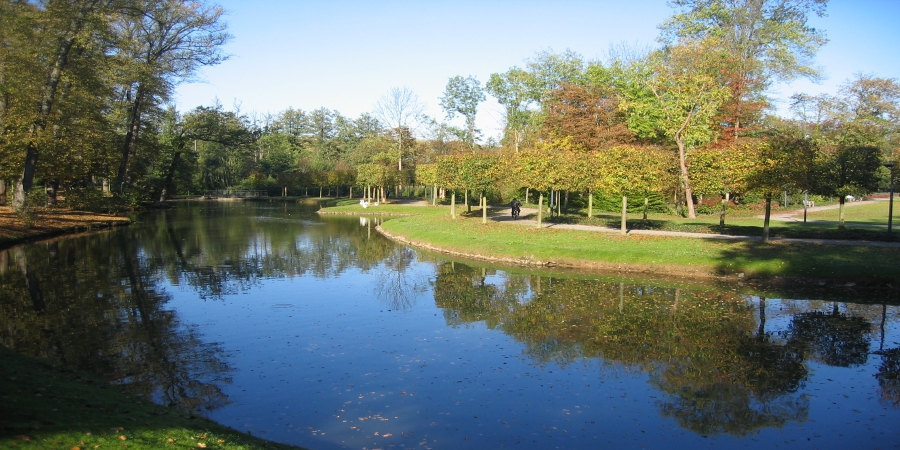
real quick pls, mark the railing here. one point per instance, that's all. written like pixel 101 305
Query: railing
pixel 235 193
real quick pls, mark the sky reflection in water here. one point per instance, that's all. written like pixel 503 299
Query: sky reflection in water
pixel 318 332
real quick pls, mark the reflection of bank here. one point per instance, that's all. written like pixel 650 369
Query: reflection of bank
pixel 102 312
pixel 368 223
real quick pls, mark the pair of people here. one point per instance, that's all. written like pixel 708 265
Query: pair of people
pixel 516 207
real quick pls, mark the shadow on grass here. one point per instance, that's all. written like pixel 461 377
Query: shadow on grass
pixel 826 269
pixel 51 406
pixel 776 230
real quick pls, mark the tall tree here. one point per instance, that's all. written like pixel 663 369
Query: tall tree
pixel 515 91
pixel 67 24
pixel 767 40
pixel 399 109
pixel 589 114
pixel 164 42
pixel 462 96
pixel 675 94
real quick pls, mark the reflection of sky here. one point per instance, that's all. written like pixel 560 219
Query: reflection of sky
pixel 326 363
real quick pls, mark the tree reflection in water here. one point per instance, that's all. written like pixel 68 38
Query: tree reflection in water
pixel 721 370
pixel 57 302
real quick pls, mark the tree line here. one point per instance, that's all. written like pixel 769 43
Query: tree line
pixel 85 87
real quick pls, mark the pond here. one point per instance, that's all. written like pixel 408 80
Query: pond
pixel 319 332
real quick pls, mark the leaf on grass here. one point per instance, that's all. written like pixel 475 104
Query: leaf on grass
pixel 22 437
pixel 201 445
pixel 122 438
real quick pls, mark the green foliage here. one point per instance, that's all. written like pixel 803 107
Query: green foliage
pixel 261 182
pixel 774 32
pixel 462 96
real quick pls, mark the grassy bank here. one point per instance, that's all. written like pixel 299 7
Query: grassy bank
pixel 514 244
pixel 47 406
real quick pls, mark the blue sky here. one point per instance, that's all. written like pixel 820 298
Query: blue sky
pixel 343 55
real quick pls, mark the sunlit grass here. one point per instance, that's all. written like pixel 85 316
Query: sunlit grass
pixel 872 213
pixel 467 235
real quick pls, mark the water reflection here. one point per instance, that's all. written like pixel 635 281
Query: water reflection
pixel 92 303
pixel 721 371
pixel 344 320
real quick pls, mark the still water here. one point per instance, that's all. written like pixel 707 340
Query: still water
pixel 319 332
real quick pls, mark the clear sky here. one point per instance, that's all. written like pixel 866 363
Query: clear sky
pixel 344 54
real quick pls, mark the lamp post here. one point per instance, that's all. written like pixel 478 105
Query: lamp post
pixel 890 167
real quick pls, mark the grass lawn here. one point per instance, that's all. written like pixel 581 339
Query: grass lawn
pixel 869 213
pixel 510 243
pixel 746 223
pixel 47 406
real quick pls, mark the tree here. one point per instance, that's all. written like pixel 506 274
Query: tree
pixel 540 170
pixel 164 43
pixel 765 40
pixel 515 90
pixel 675 94
pixel 783 163
pixel 480 173
pixel 399 109
pixel 67 24
pixel 847 171
pixel 775 32
pixel 589 114
pixel 724 170
pixel 626 169
pixel 462 96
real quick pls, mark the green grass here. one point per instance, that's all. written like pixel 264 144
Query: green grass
pixel 746 223
pixel 871 213
pixel 45 406
pixel 674 255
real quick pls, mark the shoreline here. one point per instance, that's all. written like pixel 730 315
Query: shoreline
pixel 49 223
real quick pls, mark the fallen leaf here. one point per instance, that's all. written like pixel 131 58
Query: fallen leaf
pixel 22 437
pixel 122 438
pixel 201 445
pixel 117 429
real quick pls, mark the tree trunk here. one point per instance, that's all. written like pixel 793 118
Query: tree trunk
pixel 722 215
pixel 624 214
pixel 685 181
pixel 48 97
pixel 646 206
pixel 540 209
pixel 766 220
pixel 453 204
pixel 168 186
pixel 841 212
pixel 131 137
pixel 590 204
pixel 483 208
